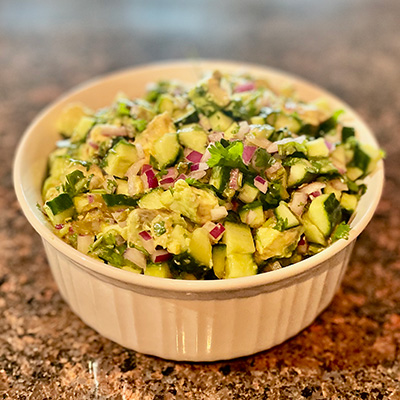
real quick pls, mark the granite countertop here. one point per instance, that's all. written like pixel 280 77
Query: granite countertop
pixel 352 350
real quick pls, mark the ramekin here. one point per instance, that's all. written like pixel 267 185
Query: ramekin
pixel 174 319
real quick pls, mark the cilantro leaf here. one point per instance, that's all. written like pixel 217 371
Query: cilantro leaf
pixel 76 183
pixel 281 224
pixel 341 232
pixel 230 156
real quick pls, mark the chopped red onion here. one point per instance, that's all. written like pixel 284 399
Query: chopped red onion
pixel 339 185
pixel 273 168
pixel 244 87
pixel 261 184
pixel 90 198
pixel 315 194
pixel 93 144
pixel 146 167
pixel 250 217
pixel 259 142
pixel 312 187
pixel 59 226
pixel 197 174
pixel 112 130
pixel 160 256
pixel 71 229
pixel 215 137
pixel 167 182
pixel 135 168
pixel 233 180
pixel 299 139
pixel 172 173
pixel 145 235
pixel 194 156
pixel 243 129
pixel 329 145
pixel 199 167
pixel 299 200
pixel 139 149
pixel 83 242
pixel 217 232
pixel 218 213
pixel 272 148
pixel 204 122
pixel 208 226
pixel 248 153
pixel 206 155
pixel 181 176
pixel 150 179
pixel 136 256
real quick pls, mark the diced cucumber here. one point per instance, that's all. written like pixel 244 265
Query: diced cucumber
pixel 82 129
pixel 165 103
pixel 161 270
pixel 166 150
pixel 347 132
pixel 349 202
pixel 312 233
pixel 119 158
pixel 258 120
pixel 152 200
pixel 238 238
pixel 325 213
pixel 122 187
pixel 252 214
pixel 262 131
pixel 366 158
pixel 287 121
pixel 219 258
pixel 239 265
pixel 232 131
pixel 69 118
pixel 248 193
pixel 317 148
pixel 283 213
pixel 353 173
pixel 271 242
pixel 300 172
pixel 186 116
pixel 193 137
pixel 59 208
pixel 219 178
pixel 220 121
pixel 200 247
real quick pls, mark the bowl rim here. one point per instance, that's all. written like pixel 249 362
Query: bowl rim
pixel 176 285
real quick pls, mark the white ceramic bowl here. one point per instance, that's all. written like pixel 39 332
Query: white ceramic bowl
pixel 185 320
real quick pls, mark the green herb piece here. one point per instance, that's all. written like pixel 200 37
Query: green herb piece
pixel 159 228
pixel 341 232
pixel 230 156
pixel 281 224
pixel 76 183
pixel 139 124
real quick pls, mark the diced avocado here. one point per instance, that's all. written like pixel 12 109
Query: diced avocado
pixel 248 193
pixel 238 238
pixel 312 233
pixel 219 258
pixel 231 131
pixel 161 270
pixel 300 172
pixel 80 203
pixel 325 213
pixel 59 208
pixel 220 121
pixel 349 202
pixel 193 137
pixel 119 158
pixel 152 200
pixel 82 129
pixel 70 117
pixel 283 213
pixel 317 148
pixel 200 247
pixel 239 265
pixel 353 173
pixel 219 178
pixel 166 150
pixel 271 242
pixel 252 214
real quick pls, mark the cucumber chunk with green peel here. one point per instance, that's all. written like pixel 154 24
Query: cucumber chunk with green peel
pixel 85 124
pixel 119 158
pixel 187 116
pixel 219 178
pixel 312 233
pixel 300 172
pixel 166 150
pixel 239 265
pixel 165 103
pixel 349 202
pixel 193 137
pixel 248 193
pixel 232 131
pixel 287 121
pixel 285 216
pixel 160 270
pixel 220 121
pixel 60 208
pixel 219 259
pixel 200 247
pixel 325 213
pixel 365 158
pixel 152 200
pixel 238 238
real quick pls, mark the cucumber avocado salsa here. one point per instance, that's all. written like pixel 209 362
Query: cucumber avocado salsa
pixel 222 179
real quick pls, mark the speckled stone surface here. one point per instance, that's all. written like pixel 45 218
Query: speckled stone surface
pixel 352 351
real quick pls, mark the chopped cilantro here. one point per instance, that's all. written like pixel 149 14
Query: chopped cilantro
pixel 341 232
pixel 230 156
pixel 281 224
pixel 159 228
